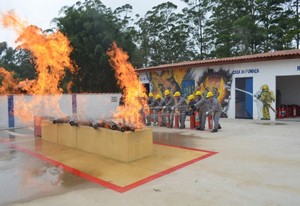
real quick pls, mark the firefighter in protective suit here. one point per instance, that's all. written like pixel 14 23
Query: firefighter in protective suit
pixel 215 109
pixel 202 107
pixel 150 102
pixel 180 106
pixel 169 103
pixel 267 97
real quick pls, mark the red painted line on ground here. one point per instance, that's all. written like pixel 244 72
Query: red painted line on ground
pixel 109 184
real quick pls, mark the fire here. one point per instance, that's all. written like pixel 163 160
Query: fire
pixel 133 89
pixel 9 84
pixel 51 54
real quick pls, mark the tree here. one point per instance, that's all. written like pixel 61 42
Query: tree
pixel 163 36
pixel 196 16
pixel 91 29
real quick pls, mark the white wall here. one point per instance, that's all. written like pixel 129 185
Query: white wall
pixel 89 106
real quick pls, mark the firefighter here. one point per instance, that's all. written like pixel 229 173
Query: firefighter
pixel 143 101
pixel 267 97
pixel 167 108
pixel 150 102
pixel 156 107
pixel 215 109
pixel 191 107
pixel 180 106
pixel 202 107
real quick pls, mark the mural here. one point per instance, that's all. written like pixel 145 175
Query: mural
pixel 188 81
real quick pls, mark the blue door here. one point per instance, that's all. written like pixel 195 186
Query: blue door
pixel 244 98
pixel 188 87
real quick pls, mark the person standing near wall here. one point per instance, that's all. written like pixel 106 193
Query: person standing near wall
pixel 267 97
pixel 150 102
pixel 156 107
pixel 180 106
pixel 202 107
pixel 167 108
pixel 215 109
pixel 191 104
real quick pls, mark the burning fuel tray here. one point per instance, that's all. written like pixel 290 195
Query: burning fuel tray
pixel 122 146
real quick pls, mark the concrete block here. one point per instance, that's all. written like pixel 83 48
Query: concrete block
pixel 49 131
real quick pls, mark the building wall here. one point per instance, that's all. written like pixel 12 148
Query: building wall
pixel 223 77
pixel 85 106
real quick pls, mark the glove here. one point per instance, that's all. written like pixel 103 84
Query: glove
pixel 207 113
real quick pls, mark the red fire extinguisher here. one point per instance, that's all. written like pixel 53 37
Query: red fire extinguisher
pixel 192 121
pixel 279 113
pixel 197 119
pixel 283 111
pixel 176 117
pixel 168 119
pixel 159 117
pixel 294 111
pixel 210 122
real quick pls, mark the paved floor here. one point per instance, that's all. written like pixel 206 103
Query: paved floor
pixel 258 163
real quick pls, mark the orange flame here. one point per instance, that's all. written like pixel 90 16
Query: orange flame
pixel 51 56
pixel 9 84
pixel 133 89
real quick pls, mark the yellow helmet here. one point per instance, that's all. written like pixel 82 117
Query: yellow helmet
pixel 167 92
pixel 150 94
pixel 177 94
pixel 209 94
pixel 191 97
pixel 157 96
pixel 198 93
pixel 265 88
pixel 143 95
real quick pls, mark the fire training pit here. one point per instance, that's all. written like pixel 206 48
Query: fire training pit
pixel 124 146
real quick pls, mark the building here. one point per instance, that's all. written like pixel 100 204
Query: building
pixel 238 80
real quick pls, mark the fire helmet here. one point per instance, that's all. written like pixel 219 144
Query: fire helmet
pixel 209 94
pixel 191 97
pixel 157 96
pixel 177 94
pixel 265 88
pixel 198 93
pixel 167 92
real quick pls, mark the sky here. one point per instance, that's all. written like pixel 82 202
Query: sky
pixel 41 12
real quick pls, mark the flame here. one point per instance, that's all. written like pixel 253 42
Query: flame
pixel 51 54
pixel 9 84
pixel 133 89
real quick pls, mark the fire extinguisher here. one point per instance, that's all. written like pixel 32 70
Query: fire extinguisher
pixel 279 113
pixel 197 119
pixel 192 121
pixel 176 117
pixel 167 119
pixel 210 121
pixel 159 117
pixel 294 111
pixel 283 111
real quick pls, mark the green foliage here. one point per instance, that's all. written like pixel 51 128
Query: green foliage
pixel 91 29
pixel 17 60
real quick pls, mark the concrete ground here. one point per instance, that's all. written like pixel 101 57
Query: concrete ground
pixel 258 163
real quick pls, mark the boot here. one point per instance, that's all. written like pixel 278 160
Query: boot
pixel 214 130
